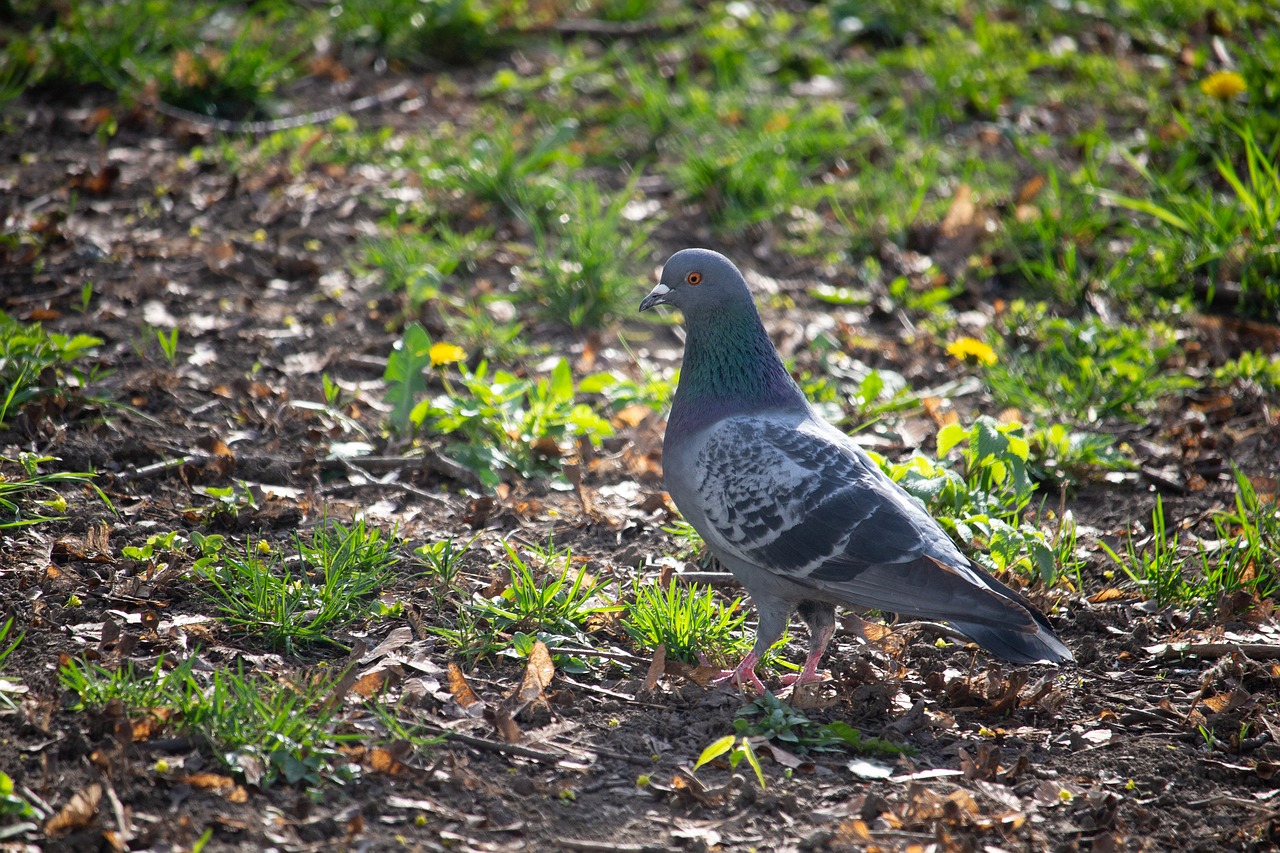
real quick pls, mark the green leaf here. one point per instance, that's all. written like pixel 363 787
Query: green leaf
pixel 715 750
pixel 597 383
pixel 949 436
pixel 405 375
pixel 561 382
pixel 991 441
pixel 750 755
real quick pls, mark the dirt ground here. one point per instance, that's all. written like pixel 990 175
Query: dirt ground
pixel 1137 746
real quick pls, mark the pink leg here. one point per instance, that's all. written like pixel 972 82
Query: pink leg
pixel 821 637
pixel 741 676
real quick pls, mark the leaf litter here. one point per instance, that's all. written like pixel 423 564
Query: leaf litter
pixel 1166 734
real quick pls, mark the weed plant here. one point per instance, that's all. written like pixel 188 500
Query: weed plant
pixel 292 604
pixel 557 601
pixel 983 508
pixel 688 620
pixel 36 364
pixel 770 718
pixel 493 422
pixel 264 729
pixel 28 495
pixel 1090 369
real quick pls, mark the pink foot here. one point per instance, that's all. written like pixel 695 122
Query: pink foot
pixel 804 678
pixel 741 677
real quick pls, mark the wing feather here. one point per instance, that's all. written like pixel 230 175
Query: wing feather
pixel 807 504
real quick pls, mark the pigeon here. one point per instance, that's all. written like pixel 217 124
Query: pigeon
pixel 800 514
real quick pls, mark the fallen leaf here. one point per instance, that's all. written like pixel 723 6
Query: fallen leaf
pixel 467 700
pixel 657 667
pixel 632 415
pixel 77 813
pixel 1028 191
pixel 537 677
pixel 504 725
pixel 210 781
pixel 962 213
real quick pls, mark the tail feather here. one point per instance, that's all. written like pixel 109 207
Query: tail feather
pixel 1041 646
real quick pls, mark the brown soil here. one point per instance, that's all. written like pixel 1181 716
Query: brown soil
pixel 1112 753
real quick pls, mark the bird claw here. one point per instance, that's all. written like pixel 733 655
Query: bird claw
pixel 802 678
pixel 741 677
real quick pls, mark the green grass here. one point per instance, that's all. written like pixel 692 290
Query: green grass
pixel 1252 367
pixel 545 595
pixel 1083 370
pixel 687 620
pixel 265 730
pixel 419 264
pixel 195 55
pixel 291 601
pixel 9 689
pixel 1244 555
pixel 455 32
pixel 1218 227
pixel 577 272
pixel 30 496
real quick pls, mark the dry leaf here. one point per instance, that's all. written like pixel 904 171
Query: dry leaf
pixel 657 667
pixel 632 415
pixel 77 813
pixel 537 676
pixel 1028 191
pixel 370 684
pixel 384 761
pixel 504 725
pixel 210 782
pixel 962 214
pixel 466 699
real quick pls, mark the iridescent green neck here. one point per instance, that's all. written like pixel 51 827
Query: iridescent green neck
pixel 730 367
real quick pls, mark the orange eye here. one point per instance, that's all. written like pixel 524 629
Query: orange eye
pixel 694 278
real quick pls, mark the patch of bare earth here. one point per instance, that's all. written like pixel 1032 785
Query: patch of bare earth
pixel 1145 744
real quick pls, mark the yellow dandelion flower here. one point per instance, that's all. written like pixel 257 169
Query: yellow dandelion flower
pixel 1223 85
pixel 966 348
pixel 442 353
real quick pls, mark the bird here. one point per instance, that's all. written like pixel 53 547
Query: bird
pixel 800 514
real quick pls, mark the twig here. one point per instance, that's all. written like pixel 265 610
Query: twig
pixel 1256 651
pixel 155 469
pixel 372 481
pixel 612 694
pixel 223 125
pixel 595 653
pixel 498 746
pixel 709 578
pixel 342 488
pixel 1230 801
pixel 117 809
pixel 429 460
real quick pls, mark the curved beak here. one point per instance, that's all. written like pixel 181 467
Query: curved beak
pixel 657 296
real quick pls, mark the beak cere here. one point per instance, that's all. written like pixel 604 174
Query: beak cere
pixel 657 296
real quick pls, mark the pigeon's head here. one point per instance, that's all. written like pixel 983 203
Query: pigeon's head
pixel 699 279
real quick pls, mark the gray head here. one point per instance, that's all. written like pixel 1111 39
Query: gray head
pixel 699 280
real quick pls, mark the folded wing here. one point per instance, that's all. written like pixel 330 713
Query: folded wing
pixel 800 500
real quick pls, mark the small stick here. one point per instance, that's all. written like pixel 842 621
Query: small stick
pixel 1256 651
